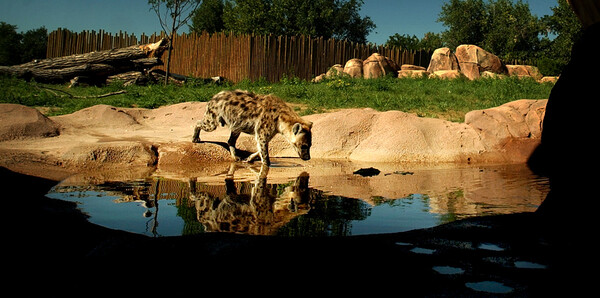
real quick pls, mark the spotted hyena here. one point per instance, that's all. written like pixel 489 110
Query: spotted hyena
pixel 260 115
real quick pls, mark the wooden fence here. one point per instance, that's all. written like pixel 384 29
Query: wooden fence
pixel 237 57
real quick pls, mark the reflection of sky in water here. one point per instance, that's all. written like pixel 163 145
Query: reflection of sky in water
pixel 127 216
pixel 397 216
pixel 388 217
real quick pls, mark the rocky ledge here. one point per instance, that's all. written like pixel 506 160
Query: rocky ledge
pixel 104 136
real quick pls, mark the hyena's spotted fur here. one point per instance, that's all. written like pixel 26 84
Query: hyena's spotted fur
pixel 260 115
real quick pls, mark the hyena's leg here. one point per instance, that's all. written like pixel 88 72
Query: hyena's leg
pixel 208 124
pixel 262 144
pixel 231 142
pixel 263 150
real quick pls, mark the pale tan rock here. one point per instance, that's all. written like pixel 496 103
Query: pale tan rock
pixel 524 71
pixel 318 78
pixel 548 79
pixel 377 66
pixel 411 67
pixel 334 71
pixel 413 74
pixel 473 60
pixel 490 75
pixel 354 68
pixel 446 74
pixel 514 127
pixel 442 59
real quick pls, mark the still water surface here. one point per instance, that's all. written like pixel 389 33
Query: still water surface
pixel 319 199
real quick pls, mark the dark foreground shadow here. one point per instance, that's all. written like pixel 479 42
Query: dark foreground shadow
pixel 568 154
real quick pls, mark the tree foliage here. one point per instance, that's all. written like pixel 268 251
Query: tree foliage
pixel 430 41
pixel 17 48
pixel 563 23
pixel 208 17
pixel 328 18
pixel 172 15
pixel 503 27
pixel 511 30
pixel 508 29
pixel 465 20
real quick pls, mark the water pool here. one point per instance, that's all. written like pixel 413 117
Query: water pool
pixel 325 198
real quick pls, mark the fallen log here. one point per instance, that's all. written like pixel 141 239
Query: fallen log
pixel 112 56
pixel 144 77
pixel 58 75
pixel 97 65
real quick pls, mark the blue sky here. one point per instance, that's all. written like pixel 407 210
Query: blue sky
pixel 390 16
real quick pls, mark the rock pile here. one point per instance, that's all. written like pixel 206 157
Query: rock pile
pixel 469 61
pixel 375 66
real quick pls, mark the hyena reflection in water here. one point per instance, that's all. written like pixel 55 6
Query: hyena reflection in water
pixel 261 115
pixel 253 208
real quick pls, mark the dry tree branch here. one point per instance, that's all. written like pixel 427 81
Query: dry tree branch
pixel 54 92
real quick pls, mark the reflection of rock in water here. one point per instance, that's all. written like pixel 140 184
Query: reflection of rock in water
pixel 254 208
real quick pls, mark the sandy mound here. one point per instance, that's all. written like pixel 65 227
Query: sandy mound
pixel 105 136
pixel 19 122
pixel 99 116
pixel 394 136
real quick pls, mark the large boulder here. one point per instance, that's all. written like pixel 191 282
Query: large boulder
pixel 19 122
pixel 473 60
pixel 412 71
pixel 377 66
pixel 548 80
pixel 411 67
pixel 445 74
pixel 413 74
pixel 335 70
pixel 514 127
pixel 354 68
pixel 524 71
pixel 442 59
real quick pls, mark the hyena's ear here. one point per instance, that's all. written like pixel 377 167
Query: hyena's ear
pixel 310 125
pixel 297 128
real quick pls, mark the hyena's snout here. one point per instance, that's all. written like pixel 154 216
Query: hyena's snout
pixel 304 152
pixel 302 139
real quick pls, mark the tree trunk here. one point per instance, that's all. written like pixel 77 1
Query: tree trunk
pixel 168 66
pixel 98 65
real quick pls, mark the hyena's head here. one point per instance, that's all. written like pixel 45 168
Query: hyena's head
pixel 301 139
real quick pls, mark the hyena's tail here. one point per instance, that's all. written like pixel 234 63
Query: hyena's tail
pixel 208 123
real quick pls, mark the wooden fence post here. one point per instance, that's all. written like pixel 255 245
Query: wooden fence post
pixel 238 57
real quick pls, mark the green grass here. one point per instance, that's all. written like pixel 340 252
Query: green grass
pixel 445 99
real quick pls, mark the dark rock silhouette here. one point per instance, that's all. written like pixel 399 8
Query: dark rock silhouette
pixel 567 153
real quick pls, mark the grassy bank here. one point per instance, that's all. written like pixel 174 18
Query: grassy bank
pixel 445 99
